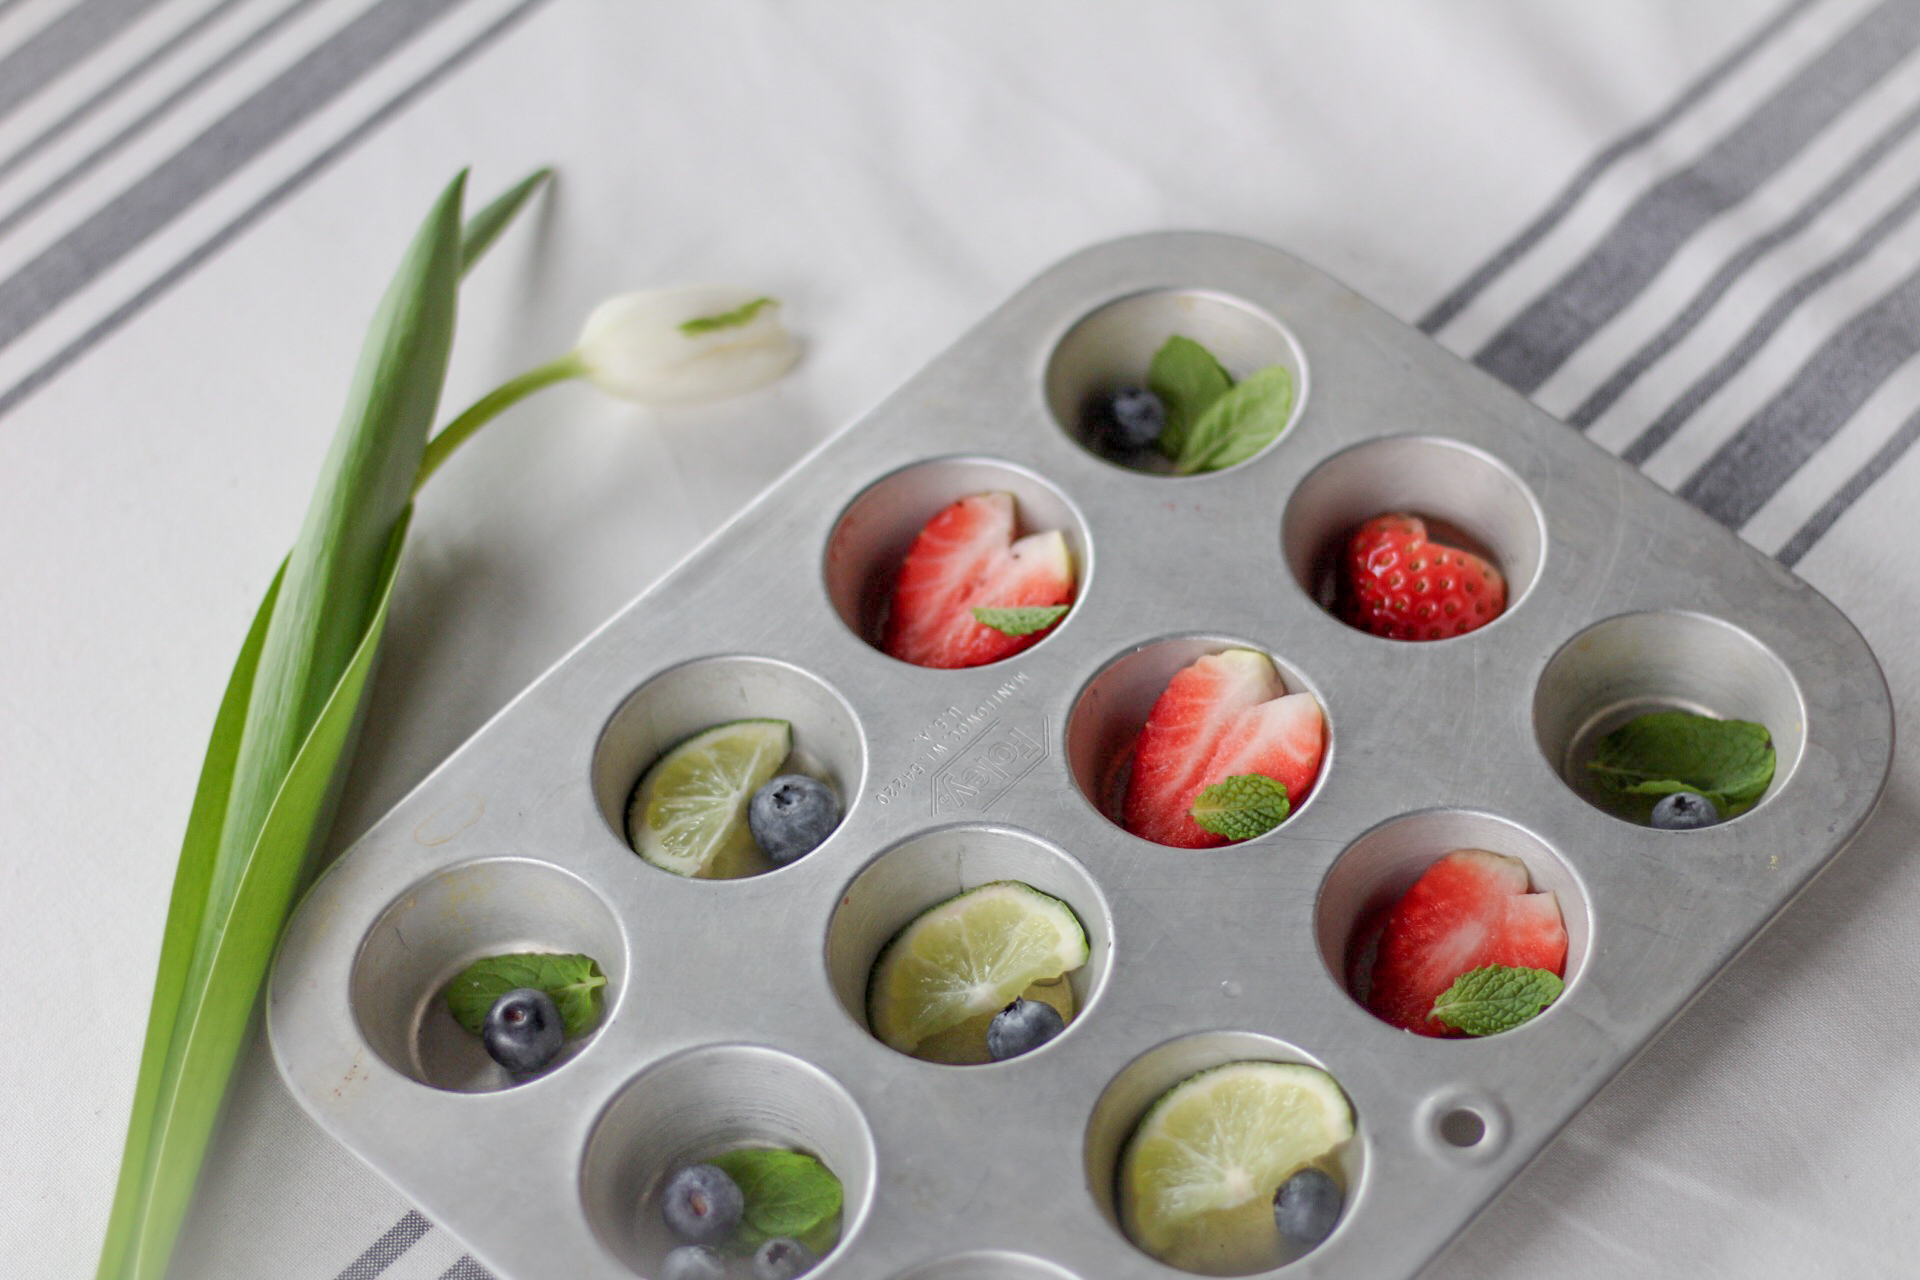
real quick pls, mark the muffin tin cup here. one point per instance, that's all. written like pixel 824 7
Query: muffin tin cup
pixel 993 1265
pixel 444 923
pixel 1468 498
pixel 1372 874
pixel 700 1104
pixel 874 533
pixel 1143 1081
pixel 1667 661
pixel 1112 346
pixel 736 1008
pixel 685 700
pixel 1109 713
pixel 928 870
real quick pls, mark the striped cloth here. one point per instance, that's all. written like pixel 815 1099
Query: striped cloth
pixel 246 100
pixel 1709 297
pixel 1690 234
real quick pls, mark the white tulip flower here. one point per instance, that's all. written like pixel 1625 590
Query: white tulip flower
pixel 668 346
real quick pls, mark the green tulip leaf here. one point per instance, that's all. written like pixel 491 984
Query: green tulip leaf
pixel 283 738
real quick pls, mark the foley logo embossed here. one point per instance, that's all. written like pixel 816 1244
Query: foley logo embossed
pixel 1000 754
pixel 970 756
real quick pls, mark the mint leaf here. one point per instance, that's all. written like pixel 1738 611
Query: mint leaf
pixel 1188 380
pixel 1021 622
pixel 1730 762
pixel 786 1194
pixel 1242 807
pixel 575 983
pixel 1485 1002
pixel 1239 424
pixel 733 319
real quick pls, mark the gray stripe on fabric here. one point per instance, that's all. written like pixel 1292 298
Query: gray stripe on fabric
pixel 114 321
pixel 1829 389
pixel 1741 354
pixel 1474 285
pixel 120 84
pixel 466 1269
pixel 96 244
pixel 382 1253
pixel 1849 493
pixel 69 39
pixel 1696 310
pixel 1531 347
pixel 160 110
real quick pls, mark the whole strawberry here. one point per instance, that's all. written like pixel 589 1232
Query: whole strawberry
pixel 1397 584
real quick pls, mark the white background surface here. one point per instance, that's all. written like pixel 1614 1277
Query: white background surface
pixel 892 172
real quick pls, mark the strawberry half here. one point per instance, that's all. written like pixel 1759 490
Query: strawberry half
pixel 1469 910
pixel 966 558
pixel 1226 715
pixel 1397 583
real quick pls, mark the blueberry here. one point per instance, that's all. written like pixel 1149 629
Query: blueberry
pixel 693 1262
pixel 791 815
pixel 523 1031
pixel 1306 1207
pixel 701 1203
pixel 1134 418
pixel 1684 811
pixel 781 1258
pixel 1022 1027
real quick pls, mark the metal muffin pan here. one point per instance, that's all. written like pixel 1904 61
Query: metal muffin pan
pixel 735 1009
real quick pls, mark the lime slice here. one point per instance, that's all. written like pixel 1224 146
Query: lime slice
pixel 967 956
pixel 689 813
pixel 1198 1175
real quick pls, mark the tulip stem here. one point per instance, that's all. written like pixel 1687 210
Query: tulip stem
pixel 491 406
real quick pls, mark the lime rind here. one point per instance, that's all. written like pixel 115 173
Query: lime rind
pixel 1222 1139
pixel 688 815
pixel 970 954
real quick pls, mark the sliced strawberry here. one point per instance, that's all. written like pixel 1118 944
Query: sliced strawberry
pixel 1226 715
pixel 966 558
pixel 1398 583
pixel 1469 910
pixel 1283 739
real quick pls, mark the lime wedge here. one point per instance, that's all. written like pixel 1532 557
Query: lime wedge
pixel 968 956
pixel 1197 1177
pixel 689 813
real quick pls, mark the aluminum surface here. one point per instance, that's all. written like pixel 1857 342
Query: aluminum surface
pixel 735 1008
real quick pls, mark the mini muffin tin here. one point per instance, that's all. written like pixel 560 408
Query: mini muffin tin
pixel 736 1009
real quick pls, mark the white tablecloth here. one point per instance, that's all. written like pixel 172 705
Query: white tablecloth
pixel 201 199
